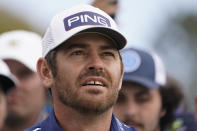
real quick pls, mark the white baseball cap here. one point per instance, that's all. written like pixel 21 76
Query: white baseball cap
pixel 7 80
pixel 82 18
pixel 23 46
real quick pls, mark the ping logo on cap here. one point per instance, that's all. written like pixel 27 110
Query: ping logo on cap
pixel 131 60
pixel 85 18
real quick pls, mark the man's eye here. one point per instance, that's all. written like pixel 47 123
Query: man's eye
pixel 143 99
pixel 108 54
pixel 79 52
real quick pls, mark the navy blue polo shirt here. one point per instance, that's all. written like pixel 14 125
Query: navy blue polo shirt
pixel 50 124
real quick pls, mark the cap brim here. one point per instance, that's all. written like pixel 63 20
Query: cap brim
pixel 142 81
pixel 116 36
pixel 7 83
pixel 26 62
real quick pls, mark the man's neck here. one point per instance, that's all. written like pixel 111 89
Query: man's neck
pixel 8 128
pixel 70 119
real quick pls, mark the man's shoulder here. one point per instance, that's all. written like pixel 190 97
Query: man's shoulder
pixel 124 127
pixel 39 126
pixel 34 128
pixel 49 124
pixel 119 126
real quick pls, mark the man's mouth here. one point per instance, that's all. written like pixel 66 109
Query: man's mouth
pixel 94 82
pixel 135 124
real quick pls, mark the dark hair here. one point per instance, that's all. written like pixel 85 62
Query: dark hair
pixel 172 96
pixel 51 60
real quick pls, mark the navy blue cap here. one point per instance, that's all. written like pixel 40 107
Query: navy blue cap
pixel 143 67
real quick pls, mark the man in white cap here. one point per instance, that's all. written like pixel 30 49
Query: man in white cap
pixel 7 82
pixel 82 67
pixel 21 50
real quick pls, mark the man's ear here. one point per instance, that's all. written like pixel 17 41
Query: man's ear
pixel 163 112
pixel 122 74
pixel 45 73
pixel 122 69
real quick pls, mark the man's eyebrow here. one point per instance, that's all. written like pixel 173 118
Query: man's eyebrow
pixel 143 92
pixel 112 47
pixel 71 46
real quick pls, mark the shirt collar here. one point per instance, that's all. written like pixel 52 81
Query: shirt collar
pixel 116 125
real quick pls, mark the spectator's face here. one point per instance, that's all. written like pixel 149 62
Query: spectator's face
pixel 139 106
pixel 109 6
pixel 2 107
pixel 27 100
pixel 88 73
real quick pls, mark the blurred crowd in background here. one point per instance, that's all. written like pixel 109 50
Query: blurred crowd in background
pixel 175 41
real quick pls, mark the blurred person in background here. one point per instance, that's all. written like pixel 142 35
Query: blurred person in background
pixel 20 50
pixel 111 7
pixel 185 120
pixel 7 82
pixel 195 108
pixel 144 101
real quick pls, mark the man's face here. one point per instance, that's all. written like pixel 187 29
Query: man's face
pixel 139 106
pixel 29 96
pixel 3 111
pixel 88 73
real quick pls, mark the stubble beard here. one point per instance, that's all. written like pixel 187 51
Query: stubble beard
pixel 71 97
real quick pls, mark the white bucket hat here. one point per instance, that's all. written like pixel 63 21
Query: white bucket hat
pixel 83 18
pixel 20 45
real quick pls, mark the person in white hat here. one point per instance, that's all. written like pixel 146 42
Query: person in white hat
pixel 20 50
pixel 7 82
pixel 82 67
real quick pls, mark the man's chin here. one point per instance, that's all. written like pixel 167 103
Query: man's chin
pixel 16 112
pixel 92 107
pixel 138 126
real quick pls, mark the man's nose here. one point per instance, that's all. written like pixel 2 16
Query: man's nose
pixel 132 109
pixel 95 62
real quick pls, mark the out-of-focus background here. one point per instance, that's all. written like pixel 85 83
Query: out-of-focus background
pixel 168 27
